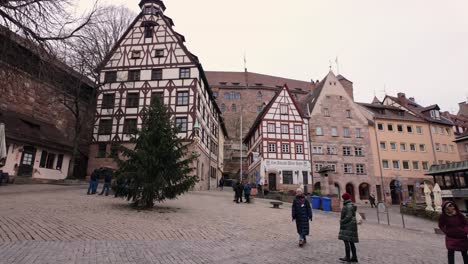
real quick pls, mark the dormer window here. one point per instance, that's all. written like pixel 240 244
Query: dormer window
pixel 150 10
pixel 136 54
pixel 435 114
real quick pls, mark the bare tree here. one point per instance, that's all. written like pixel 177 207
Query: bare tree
pixel 84 55
pixel 43 20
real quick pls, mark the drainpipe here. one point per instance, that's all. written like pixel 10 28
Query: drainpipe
pixel 433 146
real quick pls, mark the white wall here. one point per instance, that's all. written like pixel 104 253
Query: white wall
pixel 14 158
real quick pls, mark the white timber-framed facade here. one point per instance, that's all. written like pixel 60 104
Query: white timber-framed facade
pixel 151 62
pixel 278 146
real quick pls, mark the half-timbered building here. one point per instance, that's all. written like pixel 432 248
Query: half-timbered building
pixel 278 145
pixel 151 62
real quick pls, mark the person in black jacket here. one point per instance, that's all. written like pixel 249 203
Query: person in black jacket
pixel 301 213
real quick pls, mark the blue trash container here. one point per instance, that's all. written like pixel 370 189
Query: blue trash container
pixel 326 204
pixel 315 202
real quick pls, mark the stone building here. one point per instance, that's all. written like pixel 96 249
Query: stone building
pixel 278 145
pixel 151 62
pixel 340 140
pixel 40 129
pixel 247 93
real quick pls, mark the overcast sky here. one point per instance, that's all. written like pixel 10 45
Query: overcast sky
pixel 419 47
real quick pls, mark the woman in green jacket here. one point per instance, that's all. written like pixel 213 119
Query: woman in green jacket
pixel 348 228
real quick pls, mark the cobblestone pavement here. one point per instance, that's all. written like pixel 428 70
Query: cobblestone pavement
pixel 59 224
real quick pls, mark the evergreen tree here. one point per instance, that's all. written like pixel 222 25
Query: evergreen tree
pixel 158 167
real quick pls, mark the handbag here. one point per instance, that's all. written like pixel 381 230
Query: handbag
pixel 358 218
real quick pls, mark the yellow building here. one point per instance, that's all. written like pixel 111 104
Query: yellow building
pixel 402 150
pixel 407 140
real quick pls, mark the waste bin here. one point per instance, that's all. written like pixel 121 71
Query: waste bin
pixel 315 201
pixel 326 204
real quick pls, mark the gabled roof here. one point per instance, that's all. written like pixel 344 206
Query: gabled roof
pixel 180 39
pixel 419 110
pixel 308 103
pixel 265 110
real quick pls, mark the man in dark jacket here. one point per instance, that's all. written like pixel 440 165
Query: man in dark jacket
pixel 348 228
pixel 247 189
pixel 301 213
pixel 93 182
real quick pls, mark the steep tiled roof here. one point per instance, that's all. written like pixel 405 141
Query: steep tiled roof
pixel 390 112
pixel 422 112
pixel 238 79
pixel 308 103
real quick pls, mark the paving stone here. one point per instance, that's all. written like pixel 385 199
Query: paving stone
pixel 60 224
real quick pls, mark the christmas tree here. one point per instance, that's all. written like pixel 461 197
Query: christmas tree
pixel 158 167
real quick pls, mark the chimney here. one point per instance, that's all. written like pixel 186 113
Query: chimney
pixel 401 95
pixel 412 99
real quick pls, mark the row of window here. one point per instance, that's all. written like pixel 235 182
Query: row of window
pixel 400 128
pixel 234 108
pixel 326 112
pixel 130 125
pixel 403 146
pixel 133 99
pixel 405 164
pixel 412 147
pixel 346 132
pixel 285 148
pixel 348 168
pixel 441 130
pixel 48 161
pixel 332 150
pixel 284 128
pixel 288 177
pixel 135 75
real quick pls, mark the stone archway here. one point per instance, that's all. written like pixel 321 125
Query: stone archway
pixel 364 191
pixel 350 190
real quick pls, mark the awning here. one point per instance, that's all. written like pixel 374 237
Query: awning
pixel 448 168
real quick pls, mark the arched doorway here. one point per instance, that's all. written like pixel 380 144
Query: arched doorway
pixel 364 191
pixel 394 193
pixel 350 190
pixel 337 189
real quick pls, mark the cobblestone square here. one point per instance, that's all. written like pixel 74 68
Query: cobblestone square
pixel 61 224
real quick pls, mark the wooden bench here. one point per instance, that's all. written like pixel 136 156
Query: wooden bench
pixel 276 204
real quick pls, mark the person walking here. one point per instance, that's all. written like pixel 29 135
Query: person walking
pixel 107 182
pixel 93 182
pixel 348 228
pixel 455 227
pixel 372 200
pixel 302 214
pixel 221 183
pixel 247 190
pixel 239 190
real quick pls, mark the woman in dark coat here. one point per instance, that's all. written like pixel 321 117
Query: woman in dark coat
pixel 454 225
pixel 301 213
pixel 348 228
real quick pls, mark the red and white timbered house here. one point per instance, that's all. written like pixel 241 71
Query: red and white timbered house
pixel 151 62
pixel 278 145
